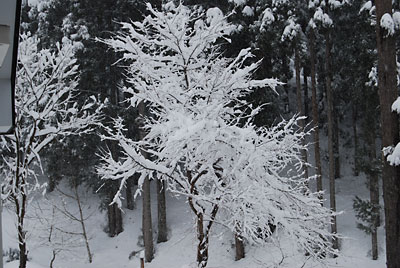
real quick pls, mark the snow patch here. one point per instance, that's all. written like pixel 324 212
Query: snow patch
pixel 388 24
pixel 248 11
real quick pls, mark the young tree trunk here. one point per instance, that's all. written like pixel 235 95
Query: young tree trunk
pixel 317 155
pixel 82 222
pixel 356 168
pixel 239 245
pixel 53 258
pixel 300 106
pixel 336 133
pixel 162 213
pixel 203 231
pixel 23 254
pixel 130 203
pixel 332 192
pixel 387 84
pixel 202 248
pixel 20 207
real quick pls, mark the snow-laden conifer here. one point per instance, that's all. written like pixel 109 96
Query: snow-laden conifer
pixel 200 135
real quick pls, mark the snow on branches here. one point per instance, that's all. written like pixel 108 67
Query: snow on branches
pixel 200 134
pixel 45 110
pixel 46 84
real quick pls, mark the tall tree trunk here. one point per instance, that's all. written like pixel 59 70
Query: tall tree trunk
pixel 115 224
pixel 336 134
pixel 387 84
pixel 110 216
pixel 317 155
pixel 147 225
pixel 162 213
pixel 130 203
pixel 356 169
pixel 306 72
pixel 372 177
pixel 332 192
pixel 300 106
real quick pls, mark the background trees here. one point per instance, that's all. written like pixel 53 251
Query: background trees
pixel 258 25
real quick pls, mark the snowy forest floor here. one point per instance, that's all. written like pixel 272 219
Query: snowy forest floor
pixel 180 250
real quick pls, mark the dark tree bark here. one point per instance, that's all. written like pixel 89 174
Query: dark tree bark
pixel 336 134
pixel 114 215
pixel 356 169
pixel 111 219
pixel 387 84
pixel 147 224
pixel 203 228
pixel 239 245
pixel 130 203
pixel 162 213
pixel 372 174
pixel 332 192
pixel 317 155
pixel 119 228
pixel 306 73
pixel 23 253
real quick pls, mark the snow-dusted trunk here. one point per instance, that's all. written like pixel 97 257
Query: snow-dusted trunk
pixel 332 193
pixel 387 84
pixel 300 109
pixel 162 213
pixel 317 155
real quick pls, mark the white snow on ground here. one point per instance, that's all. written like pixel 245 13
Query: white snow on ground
pixel 180 250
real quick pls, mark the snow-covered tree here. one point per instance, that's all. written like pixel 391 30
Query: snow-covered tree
pixel 201 136
pixel 45 110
